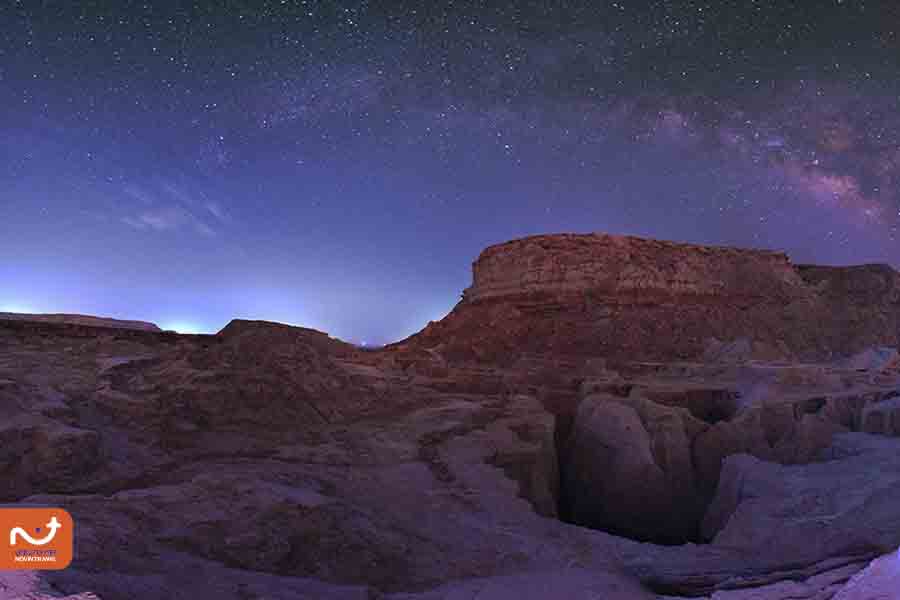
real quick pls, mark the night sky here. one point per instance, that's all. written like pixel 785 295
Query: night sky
pixel 340 165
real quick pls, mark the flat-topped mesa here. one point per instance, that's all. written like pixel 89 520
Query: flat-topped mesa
pixel 630 269
pixel 632 299
pixel 80 320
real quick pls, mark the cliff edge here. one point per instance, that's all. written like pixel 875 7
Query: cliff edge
pixel 629 298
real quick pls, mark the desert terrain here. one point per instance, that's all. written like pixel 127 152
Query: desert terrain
pixel 600 417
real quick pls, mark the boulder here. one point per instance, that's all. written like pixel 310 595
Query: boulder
pixel 743 434
pixel 627 469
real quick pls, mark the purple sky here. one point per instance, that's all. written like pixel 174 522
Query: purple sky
pixel 339 165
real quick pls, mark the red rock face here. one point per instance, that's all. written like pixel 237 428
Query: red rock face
pixel 627 298
pixel 634 269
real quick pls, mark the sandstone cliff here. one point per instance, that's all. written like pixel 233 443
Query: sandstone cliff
pixel 627 298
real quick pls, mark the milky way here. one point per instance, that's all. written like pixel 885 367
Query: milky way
pixel 339 165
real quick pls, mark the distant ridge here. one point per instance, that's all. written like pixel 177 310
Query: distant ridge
pixel 83 320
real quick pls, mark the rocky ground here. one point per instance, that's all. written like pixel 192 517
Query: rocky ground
pixel 269 461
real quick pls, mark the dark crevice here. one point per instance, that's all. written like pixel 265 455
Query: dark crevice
pixel 565 501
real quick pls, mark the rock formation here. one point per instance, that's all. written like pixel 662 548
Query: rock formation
pixel 84 320
pixel 600 417
pixel 629 469
pixel 629 298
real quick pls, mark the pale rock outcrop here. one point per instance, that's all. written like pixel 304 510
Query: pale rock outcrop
pixel 798 531
pixel 29 585
pixel 843 506
pixel 873 359
pixel 783 432
pixel 878 581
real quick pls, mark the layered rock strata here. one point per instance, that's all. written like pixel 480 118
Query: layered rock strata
pixel 627 298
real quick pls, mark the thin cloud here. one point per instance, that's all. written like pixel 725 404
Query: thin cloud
pixel 216 210
pixel 168 218
pixel 139 194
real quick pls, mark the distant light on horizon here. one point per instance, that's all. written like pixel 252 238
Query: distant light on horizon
pixel 184 327
pixel 414 326
pixel 15 307
pixel 440 316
